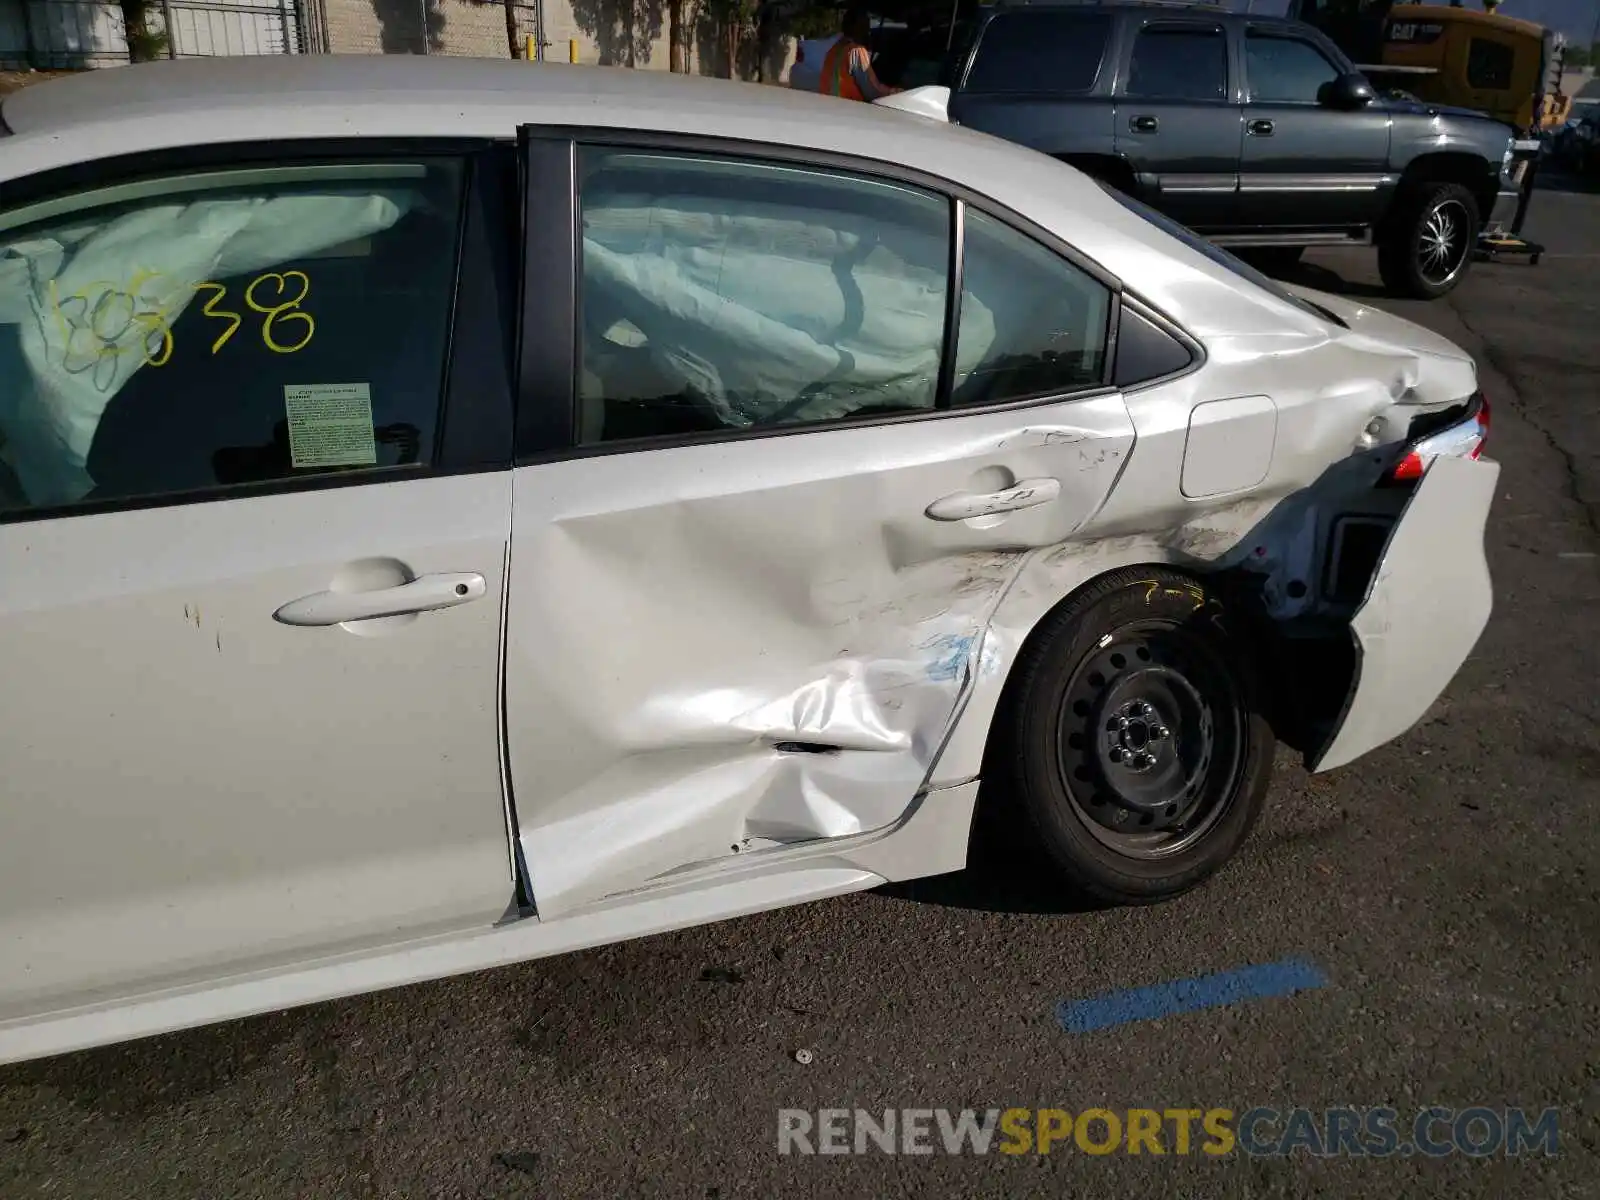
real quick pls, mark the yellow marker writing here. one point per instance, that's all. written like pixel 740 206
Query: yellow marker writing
pixel 287 310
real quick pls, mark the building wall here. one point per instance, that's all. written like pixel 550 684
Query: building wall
pixel 628 33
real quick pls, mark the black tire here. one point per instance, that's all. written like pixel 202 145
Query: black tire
pixel 1064 776
pixel 1428 241
pixel 1271 259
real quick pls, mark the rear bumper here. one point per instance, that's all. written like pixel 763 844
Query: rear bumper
pixel 1425 609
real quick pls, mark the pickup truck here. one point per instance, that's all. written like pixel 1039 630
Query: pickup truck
pixel 1256 132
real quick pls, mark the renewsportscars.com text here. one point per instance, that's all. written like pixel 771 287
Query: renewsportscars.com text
pixel 1432 1132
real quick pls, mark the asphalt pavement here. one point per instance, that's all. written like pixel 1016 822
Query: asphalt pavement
pixel 1442 893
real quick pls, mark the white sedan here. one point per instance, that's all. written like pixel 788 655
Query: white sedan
pixel 454 512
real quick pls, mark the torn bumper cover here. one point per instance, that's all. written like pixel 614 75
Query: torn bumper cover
pixel 1424 611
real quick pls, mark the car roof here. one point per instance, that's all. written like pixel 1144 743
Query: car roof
pixel 489 95
pixel 123 112
pixel 178 104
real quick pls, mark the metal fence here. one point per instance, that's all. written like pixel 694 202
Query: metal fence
pixel 61 34
pixel 66 34
pixel 210 28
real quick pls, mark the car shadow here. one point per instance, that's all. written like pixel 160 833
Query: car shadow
pixel 997 880
pixel 1326 279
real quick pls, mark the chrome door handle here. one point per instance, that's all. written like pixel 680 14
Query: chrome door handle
pixel 1260 128
pixel 963 506
pixel 1144 124
pixel 423 594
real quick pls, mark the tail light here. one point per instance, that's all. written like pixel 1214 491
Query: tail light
pixel 1463 438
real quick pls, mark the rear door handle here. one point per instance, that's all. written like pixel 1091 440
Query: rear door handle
pixel 963 506
pixel 1260 128
pixel 1143 124
pixel 422 594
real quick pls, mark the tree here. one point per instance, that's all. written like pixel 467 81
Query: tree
pixel 677 61
pixel 145 44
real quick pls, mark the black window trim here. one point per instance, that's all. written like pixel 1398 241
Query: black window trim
pixel 1197 351
pixel 552 267
pixel 474 429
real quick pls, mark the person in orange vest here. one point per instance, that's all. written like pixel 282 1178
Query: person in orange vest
pixel 847 69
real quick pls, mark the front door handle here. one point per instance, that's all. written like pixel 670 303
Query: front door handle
pixel 963 506
pixel 423 594
pixel 1259 128
pixel 1143 124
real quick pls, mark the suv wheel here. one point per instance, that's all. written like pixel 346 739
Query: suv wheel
pixel 1429 243
pixel 1133 754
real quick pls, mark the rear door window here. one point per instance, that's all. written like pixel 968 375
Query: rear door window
pixel 192 332
pixel 1054 52
pixel 1179 63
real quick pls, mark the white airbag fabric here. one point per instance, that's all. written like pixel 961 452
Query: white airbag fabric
pixel 763 315
pixel 90 300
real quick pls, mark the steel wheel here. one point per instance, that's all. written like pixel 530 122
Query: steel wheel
pixel 1132 748
pixel 1151 740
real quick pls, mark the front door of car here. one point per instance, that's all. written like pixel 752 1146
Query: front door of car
pixel 1306 163
pixel 249 619
pixel 1177 121
pixel 753 566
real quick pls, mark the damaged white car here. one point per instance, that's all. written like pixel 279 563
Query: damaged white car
pixel 456 512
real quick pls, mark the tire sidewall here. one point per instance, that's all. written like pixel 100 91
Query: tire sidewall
pixel 1061 830
pixel 1397 254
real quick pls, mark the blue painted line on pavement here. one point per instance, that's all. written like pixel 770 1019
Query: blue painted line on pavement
pixel 1186 995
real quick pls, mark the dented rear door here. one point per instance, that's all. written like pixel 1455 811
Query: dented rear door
pixel 724 643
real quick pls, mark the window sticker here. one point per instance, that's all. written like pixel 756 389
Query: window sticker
pixel 330 425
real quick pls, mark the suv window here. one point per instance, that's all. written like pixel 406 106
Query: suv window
pixel 1285 70
pixel 722 293
pixel 198 331
pixel 1055 52
pixel 1179 63
pixel 1489 64
pixel 1032 323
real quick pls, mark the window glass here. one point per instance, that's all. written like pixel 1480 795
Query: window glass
pixel 1489 64
pixel 231 327
pixel 1286 70
pixel 733 294
pixel 1055 52
pixel 1031 322
pixel 1179 64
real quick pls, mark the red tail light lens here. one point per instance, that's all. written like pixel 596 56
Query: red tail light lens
pixel 1464 439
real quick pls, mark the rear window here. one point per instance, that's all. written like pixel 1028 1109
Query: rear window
pixel 1057 52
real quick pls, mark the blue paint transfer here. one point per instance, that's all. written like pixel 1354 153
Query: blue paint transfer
pixel 951 652
pixel 1185 995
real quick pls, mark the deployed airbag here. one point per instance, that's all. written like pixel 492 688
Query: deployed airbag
pixel 91 297
pixel 764 316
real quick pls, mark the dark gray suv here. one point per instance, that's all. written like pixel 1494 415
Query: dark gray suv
pixel 1255 131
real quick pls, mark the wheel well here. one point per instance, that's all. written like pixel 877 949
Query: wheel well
pixel 1471 171
pixel 1306 674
